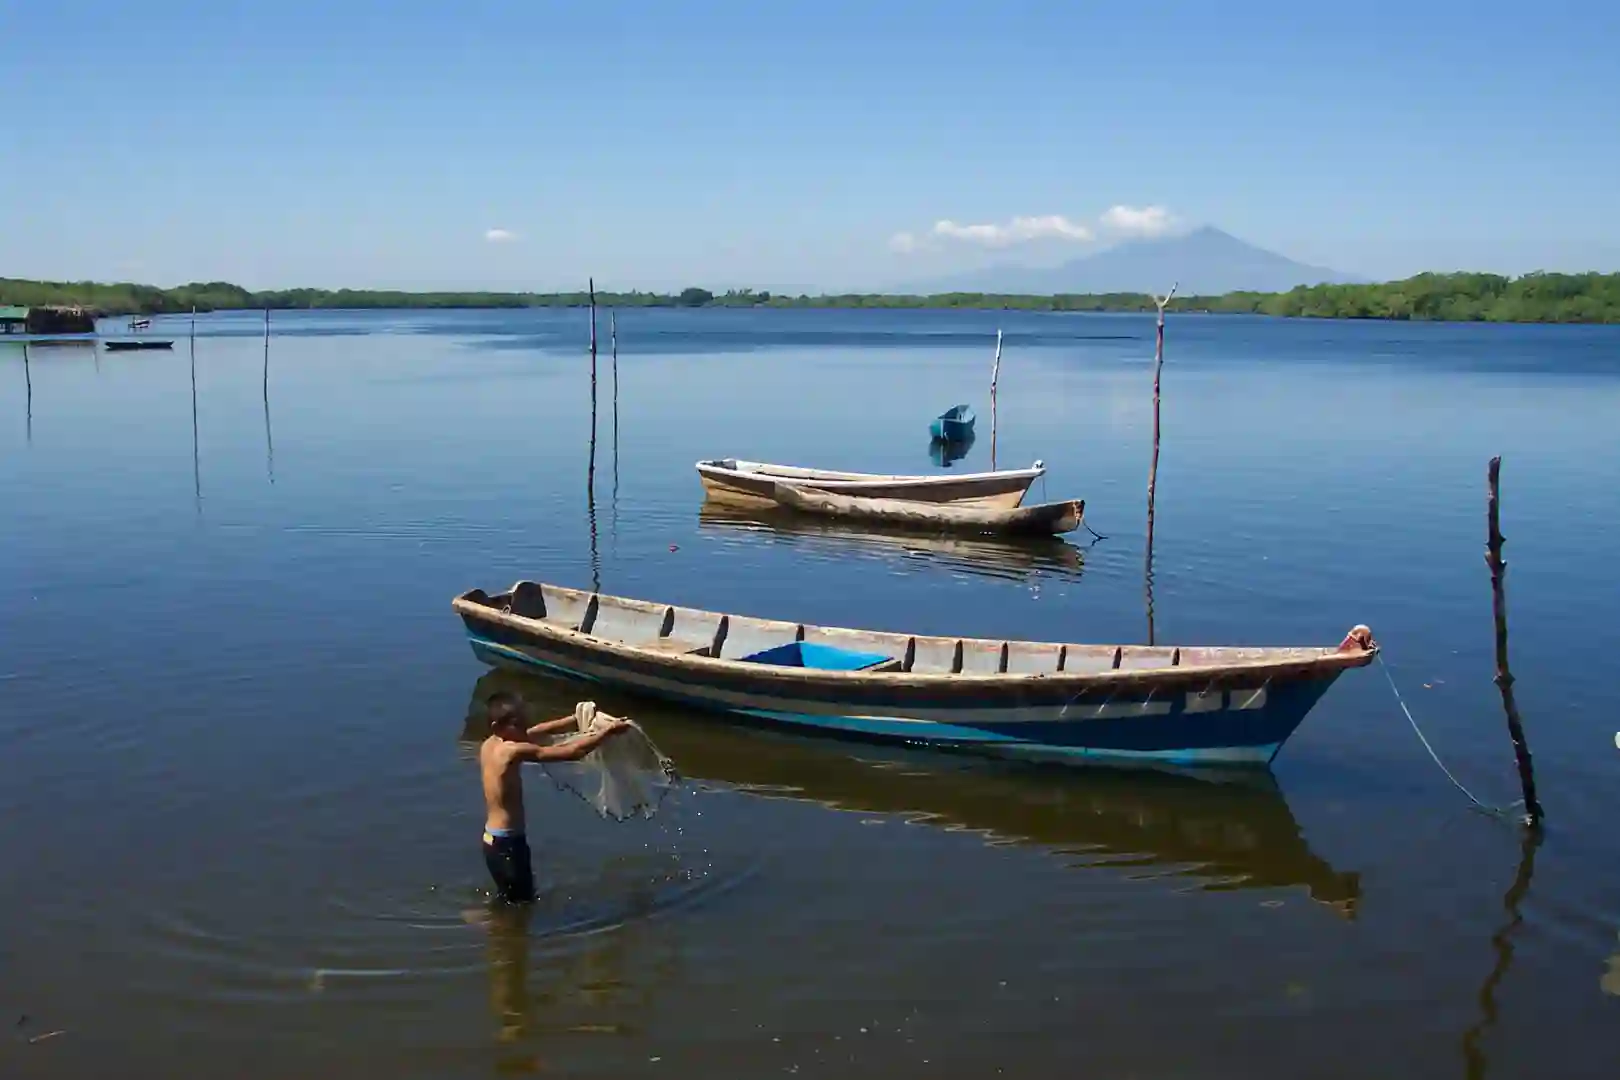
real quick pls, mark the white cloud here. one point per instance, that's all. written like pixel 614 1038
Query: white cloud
pixel 1017 231
pixel 903 242
pixel 499 236
pixel 1136 220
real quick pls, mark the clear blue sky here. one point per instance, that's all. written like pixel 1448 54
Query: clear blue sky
pixel 771 143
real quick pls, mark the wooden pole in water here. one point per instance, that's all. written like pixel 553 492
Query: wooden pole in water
pixel 1504 677
pixel 613 339
pixel 995 376
pixel 1158 369
pixel 590 467
pixel 28 380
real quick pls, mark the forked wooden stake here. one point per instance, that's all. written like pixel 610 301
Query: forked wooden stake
pixel 1504 677
pixel 1158 368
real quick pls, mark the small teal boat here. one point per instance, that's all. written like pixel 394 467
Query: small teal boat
pixel 954 424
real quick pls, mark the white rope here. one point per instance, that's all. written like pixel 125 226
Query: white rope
pixel 1500 811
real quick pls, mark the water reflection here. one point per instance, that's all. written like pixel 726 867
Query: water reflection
pixel 945 453
pixel 1235 832
pixel 1474 1062
pixel 981 556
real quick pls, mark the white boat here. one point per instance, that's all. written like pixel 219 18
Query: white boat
pixel 754 483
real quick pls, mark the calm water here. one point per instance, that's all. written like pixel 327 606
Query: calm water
pixel 239 822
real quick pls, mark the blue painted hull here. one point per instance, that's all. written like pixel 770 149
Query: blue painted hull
pixel 953 425
pixel 1219 727
pixel 951 430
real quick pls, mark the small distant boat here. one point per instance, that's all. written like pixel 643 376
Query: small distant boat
pixel 130 346
pixel 954 424
pixel 1045 519
pixel 140 324
pixel 1138 704
pixel 754 482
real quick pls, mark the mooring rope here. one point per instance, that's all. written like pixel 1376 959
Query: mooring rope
pixel 1498 811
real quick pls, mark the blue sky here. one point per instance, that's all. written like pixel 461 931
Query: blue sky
pixel 653 144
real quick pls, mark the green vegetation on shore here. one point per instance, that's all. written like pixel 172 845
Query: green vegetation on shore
pixel 1461 297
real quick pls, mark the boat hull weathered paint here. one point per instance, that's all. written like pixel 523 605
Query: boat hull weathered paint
pixel 954 424
pixel 1045 519
pixel 1032 700
pixel 751 483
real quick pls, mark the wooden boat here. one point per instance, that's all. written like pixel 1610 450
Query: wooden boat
pixel 1209 829
pixel 1045 519
pixel 954 424
pixel 130 346
pixel 140 324
pixel 1012 559
pixel 753 482
pixel 1025 699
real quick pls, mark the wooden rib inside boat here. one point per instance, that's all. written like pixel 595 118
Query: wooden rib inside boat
pixel 1044 519
pixel 752 483
pixel 1184 705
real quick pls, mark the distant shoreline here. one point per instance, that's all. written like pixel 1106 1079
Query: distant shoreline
pixel 1459 297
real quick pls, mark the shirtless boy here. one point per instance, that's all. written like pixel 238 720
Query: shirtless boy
pixel 510 744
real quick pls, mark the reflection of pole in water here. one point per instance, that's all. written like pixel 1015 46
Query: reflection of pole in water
pixel 269 446
pixel 1474 1063
pixel 590 465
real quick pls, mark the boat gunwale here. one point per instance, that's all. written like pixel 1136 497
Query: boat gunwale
pixel 1328 662
pixel 845 480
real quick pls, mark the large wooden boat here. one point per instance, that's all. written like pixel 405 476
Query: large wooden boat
pixel 1221 830
pixel 1045 519
pixel 753 482
pixel 1025 699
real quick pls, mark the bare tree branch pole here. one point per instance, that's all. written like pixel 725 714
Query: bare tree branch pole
pixel 995 377
pixel 1504 677
pixel 1153 468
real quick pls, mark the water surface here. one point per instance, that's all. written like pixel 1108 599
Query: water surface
pixel 240 821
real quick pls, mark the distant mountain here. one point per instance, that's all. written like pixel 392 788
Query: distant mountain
pixel 1205 262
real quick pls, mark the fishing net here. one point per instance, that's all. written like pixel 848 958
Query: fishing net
pixel 624 777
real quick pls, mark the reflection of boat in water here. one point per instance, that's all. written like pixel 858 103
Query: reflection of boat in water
pixel 947 452
pixel 984 555
pixel 1234 831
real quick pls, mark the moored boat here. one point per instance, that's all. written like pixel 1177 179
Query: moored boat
pixel 1023 699
pixel 753 482
pixel 130 346
pixel 954 424
pixel 1044 519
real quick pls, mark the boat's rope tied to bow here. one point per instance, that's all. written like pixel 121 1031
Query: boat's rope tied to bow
pixel 1496 811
